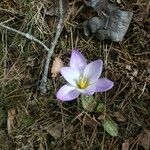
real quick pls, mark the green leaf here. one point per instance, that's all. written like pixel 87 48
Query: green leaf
pixel 100 107
pixel 89 103
pixel 110 126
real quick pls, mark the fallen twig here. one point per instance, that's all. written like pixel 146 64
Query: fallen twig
pixel 27 35
pixel 43 82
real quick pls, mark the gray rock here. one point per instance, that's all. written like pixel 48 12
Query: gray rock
pixel 113 25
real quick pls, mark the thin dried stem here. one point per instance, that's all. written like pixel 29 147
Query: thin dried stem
pixel 43 83
pixel 27 35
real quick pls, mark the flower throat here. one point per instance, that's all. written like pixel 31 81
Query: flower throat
pixel 82 83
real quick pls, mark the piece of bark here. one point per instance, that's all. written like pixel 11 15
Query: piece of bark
pixel 57 65
pixel 11 119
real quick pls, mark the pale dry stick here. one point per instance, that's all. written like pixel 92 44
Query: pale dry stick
pixel 43 83
pixel 71 38
pixel 76 42
pixel 9 11
pixel 143 53
pixel 8 20
pixel 5 52
pixel 106 52
pixel 27 35
pixel 144 87
pixel 63 125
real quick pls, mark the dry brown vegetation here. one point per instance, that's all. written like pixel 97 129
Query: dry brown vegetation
pixel 29 120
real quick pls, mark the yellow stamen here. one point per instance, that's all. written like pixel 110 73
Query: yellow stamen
pixel 83 83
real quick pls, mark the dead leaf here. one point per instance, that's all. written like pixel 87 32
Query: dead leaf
pixel 52 9
pixel 55 131
pixel 119 117
pixel 57 65
pixel 125 145
pixel 88 121
pixel 41 147
pixel 139 17
pixel 11 119
pixel 145 139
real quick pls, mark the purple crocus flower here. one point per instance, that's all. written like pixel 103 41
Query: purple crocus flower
pixel 82 78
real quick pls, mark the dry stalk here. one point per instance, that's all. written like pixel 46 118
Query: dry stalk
pixel 27 35
pixel 43 83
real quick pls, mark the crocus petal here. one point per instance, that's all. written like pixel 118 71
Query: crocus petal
pixel 90 90
pixel 93 71
pixel 103 85
pixel 71 75
pixel 77 60
pixel 67 93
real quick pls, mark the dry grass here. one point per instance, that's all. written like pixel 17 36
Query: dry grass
pixel 38 117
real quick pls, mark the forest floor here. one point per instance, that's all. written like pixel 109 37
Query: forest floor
pixel 30 120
